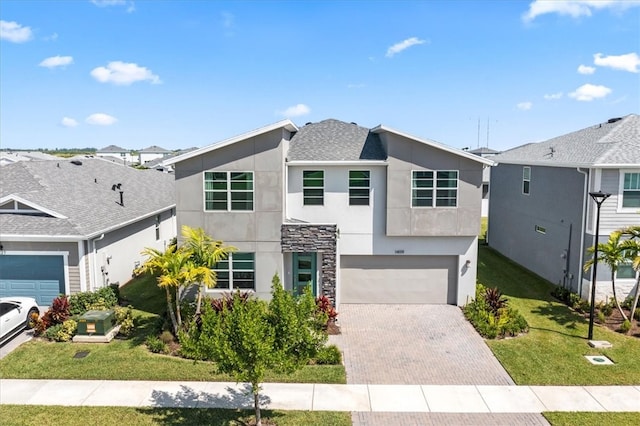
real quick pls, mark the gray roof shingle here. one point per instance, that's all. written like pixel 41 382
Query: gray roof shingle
pixel 83 194
pixel 334 140
pixel 612 143
pixel 112 148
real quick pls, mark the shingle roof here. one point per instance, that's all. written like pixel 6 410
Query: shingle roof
pixel 112 148
pixel 154 148
pixel 614 143
pixel 334 140
pixel 83 194
pixel 484 151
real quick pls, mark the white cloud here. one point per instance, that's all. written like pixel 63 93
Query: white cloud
pixel 589 92
pixel 585 69
pixel 574 8
pixel 405 44
pixel 124 74
pixel 106 3
pixel 56 61
pixel 629 62
pixel 52 37
pixel 524 106
pixel 69 122
pixel 553 96
pixel 296 111
pixel 14 32
pixel 101 119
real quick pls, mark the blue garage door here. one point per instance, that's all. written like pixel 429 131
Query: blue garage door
pixel 37 276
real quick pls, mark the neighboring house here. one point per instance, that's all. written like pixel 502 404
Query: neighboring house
pixel 158 164
pixel 152 153
pixel 541 214
pixel 115 151
pixel 76 225
pixel 364 215
pixel 486 177
pixel 10 157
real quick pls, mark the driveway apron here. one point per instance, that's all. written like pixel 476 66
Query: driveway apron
pixel 414 344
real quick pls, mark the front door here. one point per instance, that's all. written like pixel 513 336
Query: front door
pixel 304 273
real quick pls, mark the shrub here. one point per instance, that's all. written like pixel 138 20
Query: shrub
pixel 87 300
pixel 59 310
pixel 324 306
pixel 156 345
pixel 228 300
pixel 62 332
pixel 329 355
pixel 494 299
pixel 602 318
pixel 490 322
pixel 625 326
pixel 166 337
pixel 124 318
pixel 561 294
pixel 607 308
pixel 636 314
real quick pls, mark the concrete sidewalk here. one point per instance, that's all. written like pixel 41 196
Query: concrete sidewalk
pixel 323 397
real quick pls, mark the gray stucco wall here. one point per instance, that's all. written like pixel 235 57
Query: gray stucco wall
pixel 554 203
pixel 257 231
pixel 405 155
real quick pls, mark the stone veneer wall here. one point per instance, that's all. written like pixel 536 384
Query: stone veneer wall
pixel 307 238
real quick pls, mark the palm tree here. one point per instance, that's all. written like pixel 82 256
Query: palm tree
pixel 175 271
pixel 611 254
pixel 632 251
pixel 205 252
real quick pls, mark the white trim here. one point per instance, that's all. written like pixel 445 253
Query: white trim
pixel 368 188
pixel 18 199
pixel 313 187
pixel 523 161
pixel 228 191
pixel 380 129
pixel 621 209
pixel 435 190
pixel 65 262
pixel 42 238
pixel 81 266
pixel 362 163
pixel 287 124
pixel 129 222
pixel 526 180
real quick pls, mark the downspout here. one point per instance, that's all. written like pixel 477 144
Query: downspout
pixel 94 253
pixel 583 230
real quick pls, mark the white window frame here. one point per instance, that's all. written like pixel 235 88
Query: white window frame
pixel 356 188
pixel 621 190
pixel 526 179
pixel 540 229
pixel 230 270
pixel 434 189
pixel 228 191
pixel 304 197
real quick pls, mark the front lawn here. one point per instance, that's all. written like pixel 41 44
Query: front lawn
pixel 39 415
pixel 581 419
pixel 129 359
pixel 552 353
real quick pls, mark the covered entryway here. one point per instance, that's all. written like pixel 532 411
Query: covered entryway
pixel 398 279
pixel 37 276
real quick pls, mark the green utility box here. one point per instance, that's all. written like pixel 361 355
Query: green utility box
pixel 96 323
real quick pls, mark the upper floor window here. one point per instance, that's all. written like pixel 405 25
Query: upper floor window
pixel 526 179
pixel 625 271
pixel 631 190
pixel 359 185
pixel 157 227
pixel 236 272
pixel 228 191
pixel 313 187
pixel 434 189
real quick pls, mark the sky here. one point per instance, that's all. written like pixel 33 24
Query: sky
pixel 180 74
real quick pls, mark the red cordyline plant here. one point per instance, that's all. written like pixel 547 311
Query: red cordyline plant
pixel 324 305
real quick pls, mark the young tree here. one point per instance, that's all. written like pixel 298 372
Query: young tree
pixel 631 249
pixel 612 254
pixel 203 251
pixel 250 336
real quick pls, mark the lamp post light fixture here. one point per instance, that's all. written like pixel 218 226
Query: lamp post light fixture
pixel 599 198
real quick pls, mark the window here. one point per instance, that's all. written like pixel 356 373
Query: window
pixel 228 191
pixel 313 187
pixel 631 190
pixel 236 272
pixel 359 185
pixel 526 180
pixel 439 192
pixel 157 227
pixel 541 230
pixel 625 271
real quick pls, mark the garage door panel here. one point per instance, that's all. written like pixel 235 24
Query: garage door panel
pixel 43 291
pixel 37 276
pixel 398 279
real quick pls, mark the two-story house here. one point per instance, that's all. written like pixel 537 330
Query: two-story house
pixel 541 214
pixel 364 215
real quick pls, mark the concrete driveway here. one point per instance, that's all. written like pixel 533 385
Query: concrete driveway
pixel 414 344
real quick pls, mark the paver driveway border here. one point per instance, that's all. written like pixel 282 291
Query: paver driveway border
pixel 414 345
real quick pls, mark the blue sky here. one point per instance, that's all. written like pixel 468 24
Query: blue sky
pixel 189 73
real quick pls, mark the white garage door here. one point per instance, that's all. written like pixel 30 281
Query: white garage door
pixel 398 279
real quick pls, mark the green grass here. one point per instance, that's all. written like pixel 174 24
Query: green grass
pixel 129 359
pixel 581 419
pixel 552 353
pixel 39 415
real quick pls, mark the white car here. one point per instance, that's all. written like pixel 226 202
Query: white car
pixel 15 313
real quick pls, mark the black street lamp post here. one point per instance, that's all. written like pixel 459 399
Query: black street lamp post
pixel 599 198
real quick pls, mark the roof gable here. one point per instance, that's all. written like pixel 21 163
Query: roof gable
pixel 112 148
pixel 18 205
